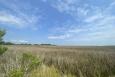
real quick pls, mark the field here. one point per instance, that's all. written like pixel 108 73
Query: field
pixel 62 61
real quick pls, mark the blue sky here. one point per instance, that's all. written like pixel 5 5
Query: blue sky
pixel 61 22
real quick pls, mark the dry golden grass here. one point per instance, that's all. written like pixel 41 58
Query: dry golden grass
pixel 73 61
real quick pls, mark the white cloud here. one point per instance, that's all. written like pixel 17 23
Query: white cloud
pixel 19 41
pixel 76 30
pixel 94 18
pixel 111 7
pixel 19 14
pixel 11 19
pixel 65 36
pixel 67 6
pixel 81 12
pixel 95 23
pixel 95 30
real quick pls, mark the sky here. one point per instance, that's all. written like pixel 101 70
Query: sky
pixel 60 22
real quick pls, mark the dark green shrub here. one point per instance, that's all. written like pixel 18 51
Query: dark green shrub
pixel 2 50
pixel 29 62
pixel 16 73
pixel 2 33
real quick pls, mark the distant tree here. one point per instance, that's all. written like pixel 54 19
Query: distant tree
pixel 36 44
pixel 8 43
pixel 2 49
pixel 47 44
pixel 2 33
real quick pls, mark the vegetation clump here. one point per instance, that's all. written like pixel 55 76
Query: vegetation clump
pixel 16 73
pixel 29 62
pixel 2 49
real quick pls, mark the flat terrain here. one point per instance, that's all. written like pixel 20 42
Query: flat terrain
pixel 80 61
pixel 37 48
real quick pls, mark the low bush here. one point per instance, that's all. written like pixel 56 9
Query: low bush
pixel 2 50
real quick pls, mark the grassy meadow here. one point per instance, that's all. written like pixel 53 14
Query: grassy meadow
pixel 58 61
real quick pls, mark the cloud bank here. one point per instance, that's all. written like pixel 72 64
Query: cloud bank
pixel 18 14
pixel 91 23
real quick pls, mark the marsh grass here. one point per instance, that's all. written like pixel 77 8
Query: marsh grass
pixel 64 61
pixel 87 64
pixel 45 71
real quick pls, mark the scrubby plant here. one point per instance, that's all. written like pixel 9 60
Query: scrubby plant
pixel 2 33
pixel 2 49
pixel 16 73
pixel 29 62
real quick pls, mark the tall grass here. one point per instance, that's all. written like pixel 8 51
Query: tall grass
pixel 83 64
pixel 62 61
